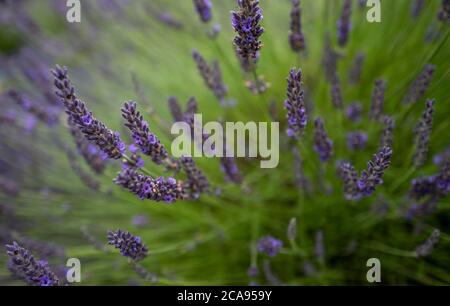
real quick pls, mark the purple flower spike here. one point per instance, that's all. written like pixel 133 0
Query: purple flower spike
pixel 143 138
pixel 129 245
pixel 344 23
pixel 353 111
pixel 356 70
pixel 350 177
pixel 296 36
pixel 372 177
pixel 212 76
pixel 356 140
pixel 322 144
pixel 420 85
pixel 24 266
pixel 387 134
pixel 146 187
pixel 196 180
pixel 377 106
pixel 230 169
pixel 423 131
pixel 246 24
pixel 295 106
pixel 107 140
pixel 269 245
pixel 336 92
pixel 203 8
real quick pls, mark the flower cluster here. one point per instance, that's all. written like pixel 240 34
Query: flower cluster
pixel 420 85
pixel 434 186
pixel 295 105
pixel 296 36
pixel 47 115
pixel 377 105
pixel 24 266
pixel 212 76
pixel 269 245
pixel 350 177
pixel 94 130
pixel 129 245
pixel 353 111
pixel 444 12
pixel 196 180
pixel 93 157
pixel 372 177
pixel 356 140
pixel 142 137
pixel 322 144
pixel 203 8
pixel 230 169
pixel 336 92
pixel 423 131
pixel 146 187
pixel 246 23
pixel 344 23
pixel 354 74
pixel 387 134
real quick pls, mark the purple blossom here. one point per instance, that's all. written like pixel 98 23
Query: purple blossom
pixel 434 186
pixel 372 177
pixel 353 111
pixel 246 24
pixel 422 132
pixel 253 271
pixel 300 180
pixel 296 36
pixel 377 105
pixel 146 187
pixel 48 115
pixel 93 157
pixel 129 245
pixel 329 59
pixel 420 84
pixel 444 12
pixel 344 23
pixel 139 221
pixel 230 169
pixel 107 140
pixel 354 75
pixel 350 177
pixel 269 245
pixel 356 140
pixel 196 180
pixel 142 137
pixel 387 133
pixel 417 7
pixel 23 265
pixel 336 92
pixel 212 76
pixel 175 109
pixel 203 8
pixel 322 144
pixel 295 105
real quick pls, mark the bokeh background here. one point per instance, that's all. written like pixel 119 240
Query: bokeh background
pixel 52 203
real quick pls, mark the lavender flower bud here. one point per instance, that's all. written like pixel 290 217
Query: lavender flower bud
pixel 356 140
pixel 23 264
pixel 175 109
pixel 203 8
pixel 292 229
pixel 143 138
pixel 387 134
pixel 416 8
pixel 350 177
pixel 295 105
pixel 427 247
pixel 145 187
pixel 372 177
pixel 420 84
pixel 322 144
pixel 196 180
pixel 47 115
pixel 329 59
pixel 246 24
pixel 94 130
pixel 129 245
pixel 344 23
pixel 93 157
pixel 296 36
pixel 376 108
pixel 230 169
pixel 444 12
pixel 336 93
pixel 300 179
pixel 422 132
pixel 269 245
pixel 212 76
pixel 355 72
pixel 353 111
